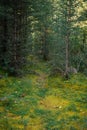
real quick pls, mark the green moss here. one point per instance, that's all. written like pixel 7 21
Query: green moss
pixel 38 102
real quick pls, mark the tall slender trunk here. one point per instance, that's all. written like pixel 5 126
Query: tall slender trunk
pixel 45 48
pixel 67 39
pixel 67 56
pixel 14 41
pixel 5 40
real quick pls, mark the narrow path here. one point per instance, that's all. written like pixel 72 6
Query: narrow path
pixel 42 80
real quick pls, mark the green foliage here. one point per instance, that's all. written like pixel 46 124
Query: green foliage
pixel 42 92
pixel 72 128
pixel 43 38
pixel 13 40
pixel 72 107
pixel 24 105
pixel 41 112
pixel 39 28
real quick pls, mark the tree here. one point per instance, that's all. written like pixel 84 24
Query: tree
pixel 14 31
pixel 64 21
pixel 40 28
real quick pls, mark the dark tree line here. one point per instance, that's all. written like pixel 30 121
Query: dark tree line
pixel 53 31
pixel 13 29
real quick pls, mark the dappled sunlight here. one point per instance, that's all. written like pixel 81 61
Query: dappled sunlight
pixel 41 102
pixel 53 102
pixel 43 65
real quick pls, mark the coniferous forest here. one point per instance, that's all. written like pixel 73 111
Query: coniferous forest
pixel 43 64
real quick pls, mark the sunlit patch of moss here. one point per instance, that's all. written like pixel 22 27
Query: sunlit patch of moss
pixel 53 102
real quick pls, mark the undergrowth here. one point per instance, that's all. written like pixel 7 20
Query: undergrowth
pixel 41 102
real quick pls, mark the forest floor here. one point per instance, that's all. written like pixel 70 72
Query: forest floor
pixel 41 102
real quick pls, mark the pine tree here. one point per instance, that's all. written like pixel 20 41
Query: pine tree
pixel 40 26
pixel 63 34
pixel 14 35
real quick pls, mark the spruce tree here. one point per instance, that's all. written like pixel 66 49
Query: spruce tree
pixel 13 43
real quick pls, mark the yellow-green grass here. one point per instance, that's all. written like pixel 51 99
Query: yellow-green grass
pixel 40 102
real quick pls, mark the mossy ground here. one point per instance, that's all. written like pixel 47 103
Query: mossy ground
pixel 40 102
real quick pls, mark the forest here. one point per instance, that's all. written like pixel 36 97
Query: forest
pixel 43 65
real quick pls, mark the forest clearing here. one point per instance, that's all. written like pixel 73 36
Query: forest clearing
pixel 40 102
